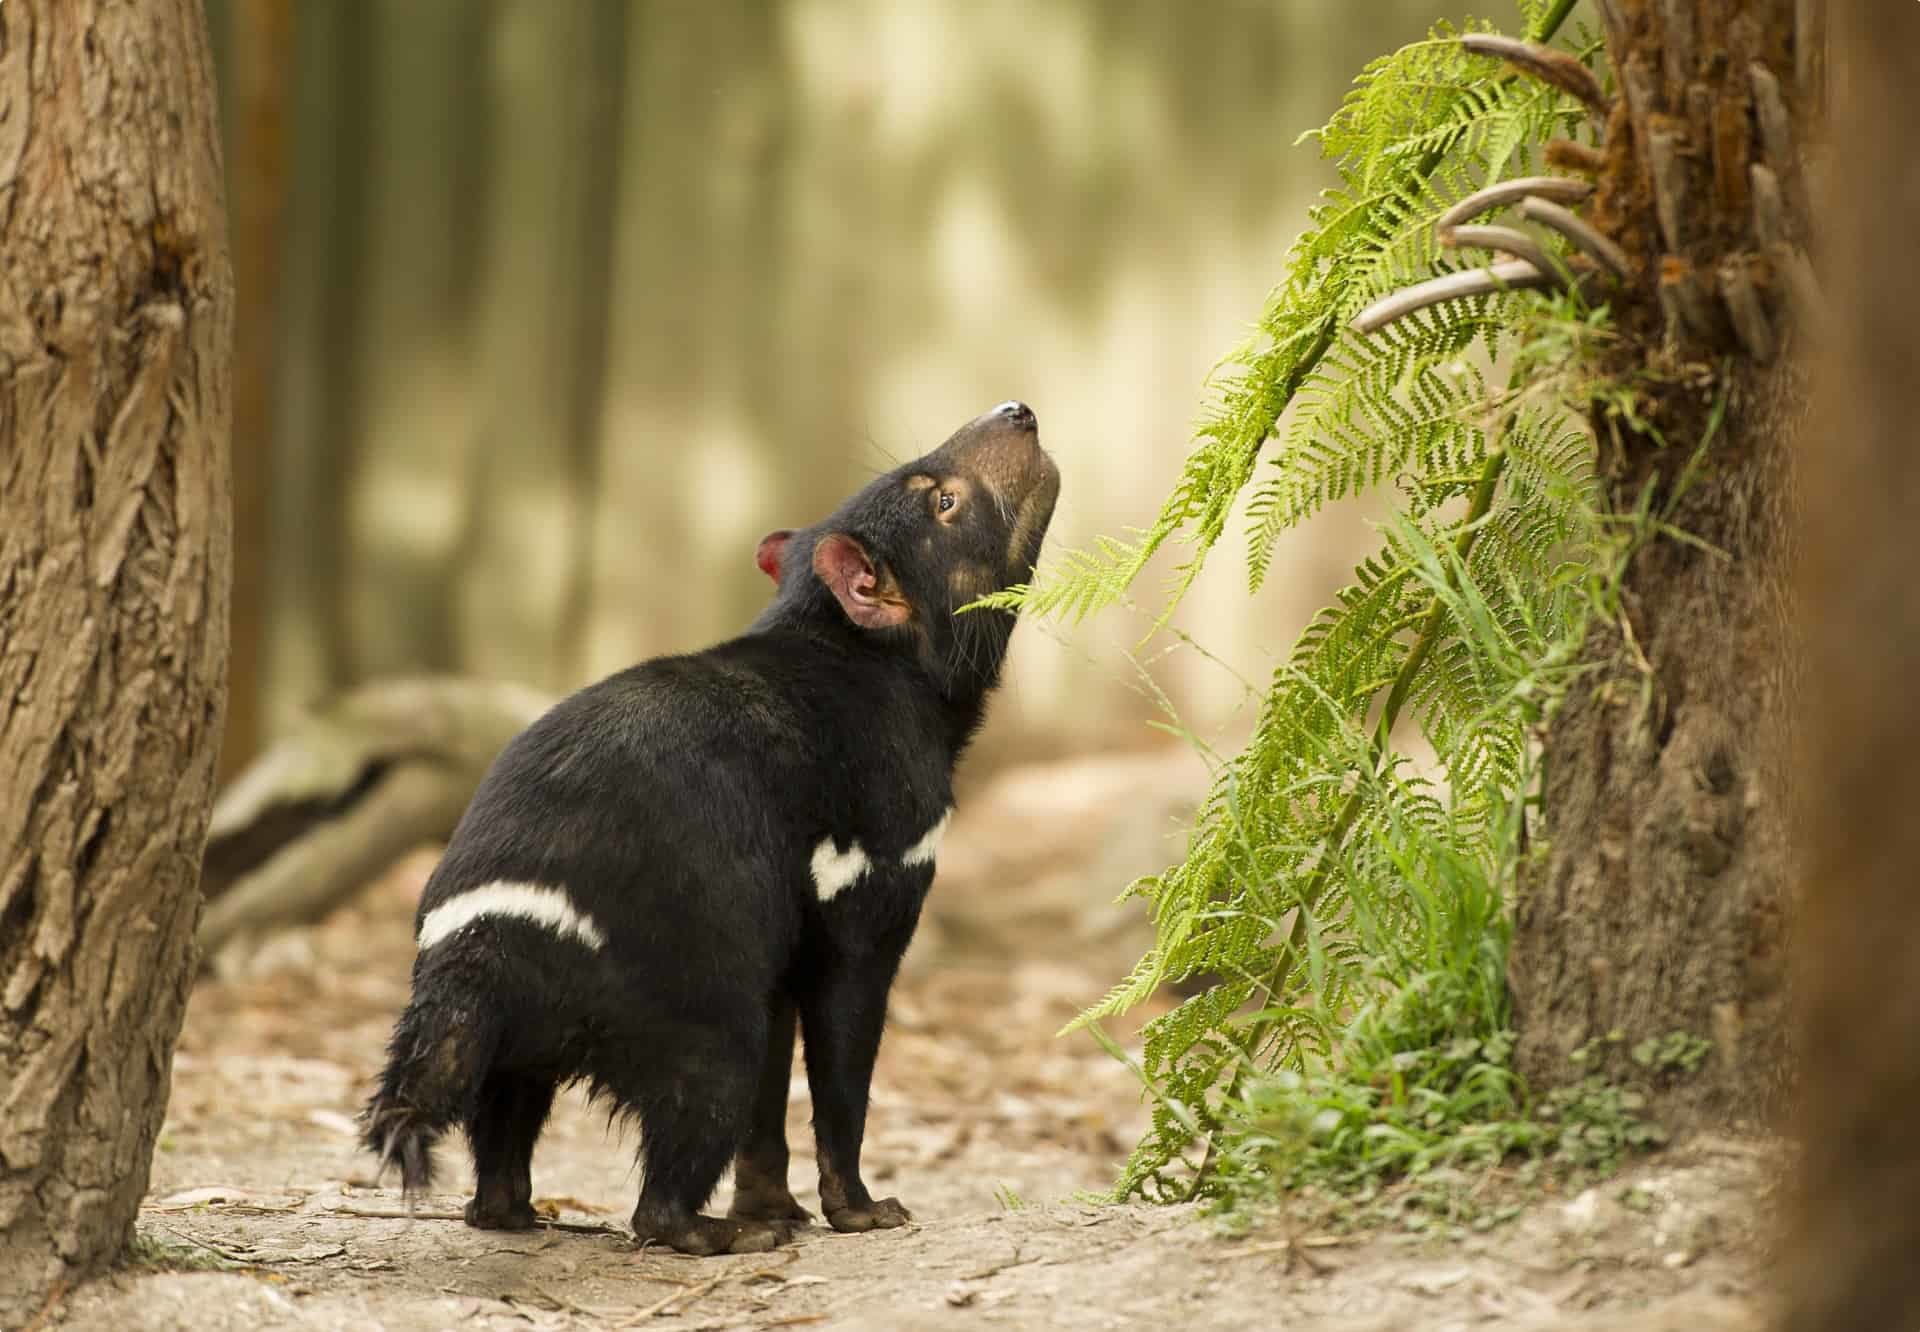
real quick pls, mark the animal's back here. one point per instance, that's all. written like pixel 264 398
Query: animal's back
pixel 638 797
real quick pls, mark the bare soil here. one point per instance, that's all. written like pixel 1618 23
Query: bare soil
pixel 263 1213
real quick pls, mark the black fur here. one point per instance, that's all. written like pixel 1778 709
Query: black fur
pixel 678 805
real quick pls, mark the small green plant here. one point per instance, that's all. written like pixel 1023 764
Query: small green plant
pixel 1007 1198
pixel 1597 1123
pixel 1676 1052
pixel 156 1253
pixel 1419 1089
pixel 1424 1114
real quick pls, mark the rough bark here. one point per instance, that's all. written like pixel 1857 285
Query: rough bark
pixel 1856 1226
pixel 1662 904
pixel 115 338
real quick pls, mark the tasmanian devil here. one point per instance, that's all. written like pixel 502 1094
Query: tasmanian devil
pixel 664 873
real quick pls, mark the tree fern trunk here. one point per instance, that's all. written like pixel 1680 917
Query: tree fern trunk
pixel 116 310
pixel 1662 900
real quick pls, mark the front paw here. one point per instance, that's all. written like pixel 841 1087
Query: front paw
pixel 884 1214
pixel 704 1236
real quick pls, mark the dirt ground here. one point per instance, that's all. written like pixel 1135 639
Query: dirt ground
pixel 262 1213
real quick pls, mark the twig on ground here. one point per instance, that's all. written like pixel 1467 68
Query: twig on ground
pixel 665 1305
pixel 402 1214
pixel 562 1302
pixel 1254 1250
pixel 995 1269
pixel 215 1249
pixel 54 1297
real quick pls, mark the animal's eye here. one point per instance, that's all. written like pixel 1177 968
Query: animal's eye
pixel 947 501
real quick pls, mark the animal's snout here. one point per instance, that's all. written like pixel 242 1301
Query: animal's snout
pixel 1001 448
pixel 1005 443
pixel 1017 414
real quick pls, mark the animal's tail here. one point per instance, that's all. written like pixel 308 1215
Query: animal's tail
pixel 440 1051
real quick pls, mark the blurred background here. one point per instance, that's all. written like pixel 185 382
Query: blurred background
pixel 550 308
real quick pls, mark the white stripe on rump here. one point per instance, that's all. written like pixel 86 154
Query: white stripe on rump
pixel 527 901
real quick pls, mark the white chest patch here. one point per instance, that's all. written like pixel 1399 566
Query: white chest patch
pixel 835 870
pixel 923 851
pixel 527 901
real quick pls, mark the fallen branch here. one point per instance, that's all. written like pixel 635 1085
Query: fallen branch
pixel 352 788
pixel 408 804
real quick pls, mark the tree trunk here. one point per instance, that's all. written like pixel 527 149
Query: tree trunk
pixel 1661 906
pixel 262 35
pixel 320 382
pixel 115 338
pixel 541 316
pixel 1856 1225
pixel 421 167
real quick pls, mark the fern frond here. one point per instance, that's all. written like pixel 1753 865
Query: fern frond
pixel 1420 129
pixel 1316 844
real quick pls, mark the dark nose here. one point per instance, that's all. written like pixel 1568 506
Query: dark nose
pixel 1017 414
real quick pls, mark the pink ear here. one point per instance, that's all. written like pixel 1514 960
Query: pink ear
pixel 772 547
pixel 844 567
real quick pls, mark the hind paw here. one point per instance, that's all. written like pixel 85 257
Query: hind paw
pixel 883 1214
pixel 767 1205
